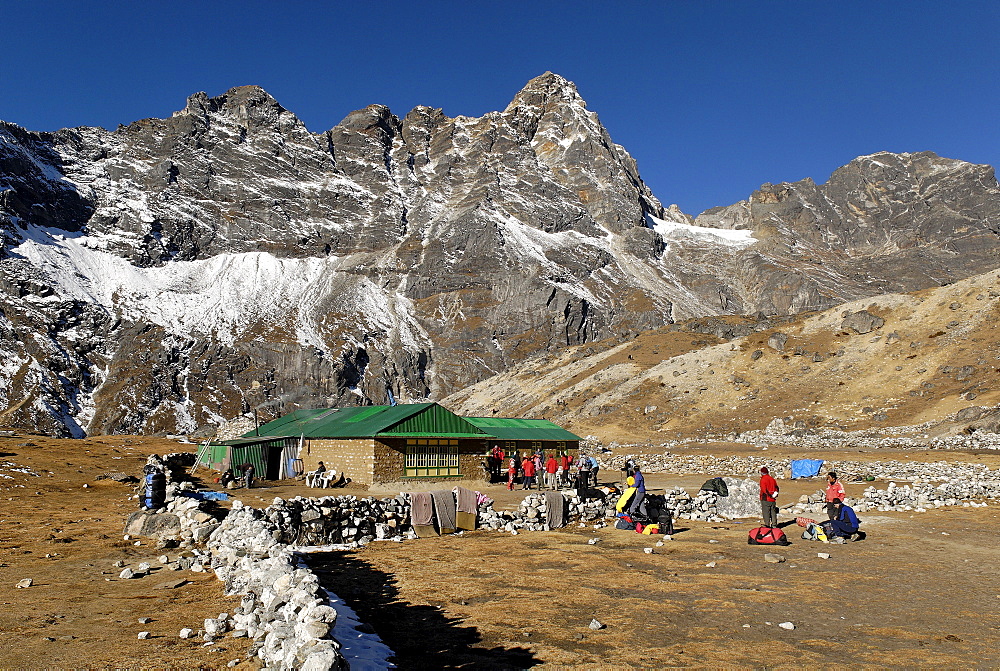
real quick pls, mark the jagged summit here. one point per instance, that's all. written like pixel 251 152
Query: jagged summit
pixel 250 102
pixel 545 89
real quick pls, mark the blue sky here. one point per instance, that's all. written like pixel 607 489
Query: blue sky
pixel 711 98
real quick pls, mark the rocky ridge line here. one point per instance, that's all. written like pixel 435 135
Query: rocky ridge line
pixel 175 273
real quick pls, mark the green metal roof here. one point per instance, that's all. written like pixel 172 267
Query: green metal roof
pixel 412 419
pixel 250 440
pixel 507 428
pixel 275 427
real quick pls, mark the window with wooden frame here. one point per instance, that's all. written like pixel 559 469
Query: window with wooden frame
pixel 431 457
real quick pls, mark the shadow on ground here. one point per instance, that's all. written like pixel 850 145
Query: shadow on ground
pixel 421 636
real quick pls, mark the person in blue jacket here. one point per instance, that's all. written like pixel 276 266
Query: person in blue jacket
pixel 640 490
pixel 846 522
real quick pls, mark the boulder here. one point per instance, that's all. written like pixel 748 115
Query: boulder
pixel 861 322
pixel 143 523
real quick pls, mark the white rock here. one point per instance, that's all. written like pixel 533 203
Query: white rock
pixel 710 564
pixel 648 551
pixel 786 625
pixel 186 633
pixel 823 555
pixel 26 582
pixel 143 635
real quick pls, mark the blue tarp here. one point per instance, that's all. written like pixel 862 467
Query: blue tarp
pixel 806 468
pixel 207 496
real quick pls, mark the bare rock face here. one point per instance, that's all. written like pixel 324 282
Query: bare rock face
pixel 174 273
pixel 883 223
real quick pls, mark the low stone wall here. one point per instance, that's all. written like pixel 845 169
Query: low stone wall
pixel 338 520
pixel 253 553
pixel 530 515
pixel 282 605
pixel 922 496
pixel 749 466
pixel 352 521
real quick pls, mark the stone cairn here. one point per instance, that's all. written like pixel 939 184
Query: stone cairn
pixel 184 520
pixel 708 506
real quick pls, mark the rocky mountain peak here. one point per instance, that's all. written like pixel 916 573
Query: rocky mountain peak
pixel 249 106
pixel 372 119
pixel 546 89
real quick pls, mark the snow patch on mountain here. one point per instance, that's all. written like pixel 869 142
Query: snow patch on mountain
pixel 674 230
pixel 224 296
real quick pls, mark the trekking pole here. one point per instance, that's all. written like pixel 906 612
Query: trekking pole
pixel 202 451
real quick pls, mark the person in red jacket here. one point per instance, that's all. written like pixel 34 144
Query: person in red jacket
pixel 551 466
pixel 834 491
pixel 768 498
pixel 528 468
pixel 564 463
pixel 511 472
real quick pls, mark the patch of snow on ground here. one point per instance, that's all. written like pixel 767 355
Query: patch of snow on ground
pixel 363 651
pixel 724 236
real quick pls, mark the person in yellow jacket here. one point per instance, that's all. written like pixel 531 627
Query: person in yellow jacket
pixel 626 498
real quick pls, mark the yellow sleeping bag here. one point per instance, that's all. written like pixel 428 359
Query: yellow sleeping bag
pixel 625 499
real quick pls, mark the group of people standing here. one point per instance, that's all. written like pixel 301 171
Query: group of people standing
pixel 843 521
pixel 555 471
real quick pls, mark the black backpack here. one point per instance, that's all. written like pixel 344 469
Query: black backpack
pixel 666 521
pixel 717 485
